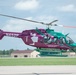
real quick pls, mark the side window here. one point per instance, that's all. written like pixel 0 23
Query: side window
pixel 59 41
pixel 25 56
pixel 55 40
pixel 62 40
pixel 47 40
pixel 15 56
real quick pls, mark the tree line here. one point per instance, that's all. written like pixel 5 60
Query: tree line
pixel 6 52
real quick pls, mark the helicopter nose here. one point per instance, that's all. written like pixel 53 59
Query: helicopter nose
pixel 73 45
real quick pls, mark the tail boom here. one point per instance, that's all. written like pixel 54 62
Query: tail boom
pixel 10 34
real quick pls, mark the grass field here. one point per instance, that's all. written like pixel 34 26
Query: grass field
pixel 36 61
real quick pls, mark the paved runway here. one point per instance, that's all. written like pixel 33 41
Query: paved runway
pixel 38 70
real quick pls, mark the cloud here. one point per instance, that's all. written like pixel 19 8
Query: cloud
pixel 27 5
pixel 19 25
pixel 67 8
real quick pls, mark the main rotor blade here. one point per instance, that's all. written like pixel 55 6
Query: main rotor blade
pixel 29 20
pixel 21 18
pixel 66 26
pixel 38 22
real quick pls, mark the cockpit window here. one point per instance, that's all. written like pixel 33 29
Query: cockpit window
pixel 69 40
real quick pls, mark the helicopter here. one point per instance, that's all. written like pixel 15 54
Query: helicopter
pixel 41 38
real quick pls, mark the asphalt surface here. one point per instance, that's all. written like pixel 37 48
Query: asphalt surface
pixel 38 70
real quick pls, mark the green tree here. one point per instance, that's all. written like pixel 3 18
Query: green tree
pixel 3 52
pixel 10 51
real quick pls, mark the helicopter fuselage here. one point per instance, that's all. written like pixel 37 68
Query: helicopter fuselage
pixel 40 38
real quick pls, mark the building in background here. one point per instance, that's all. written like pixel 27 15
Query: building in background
pixel 25 53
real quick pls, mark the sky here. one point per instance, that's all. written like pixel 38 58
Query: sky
pixel 39 10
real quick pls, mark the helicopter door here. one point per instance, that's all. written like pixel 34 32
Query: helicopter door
pixel 47 39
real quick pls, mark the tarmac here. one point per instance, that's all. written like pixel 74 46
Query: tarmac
pixel 38 70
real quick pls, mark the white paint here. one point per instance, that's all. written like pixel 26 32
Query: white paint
pixel 12 34
pixel 26 38
pixel 34 39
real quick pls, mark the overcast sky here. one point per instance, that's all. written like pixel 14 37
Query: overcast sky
pixel 39 10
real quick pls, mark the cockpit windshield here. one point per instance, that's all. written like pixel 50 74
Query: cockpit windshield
pixel 69 40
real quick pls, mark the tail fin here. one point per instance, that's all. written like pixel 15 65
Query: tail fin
pixel 1 34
